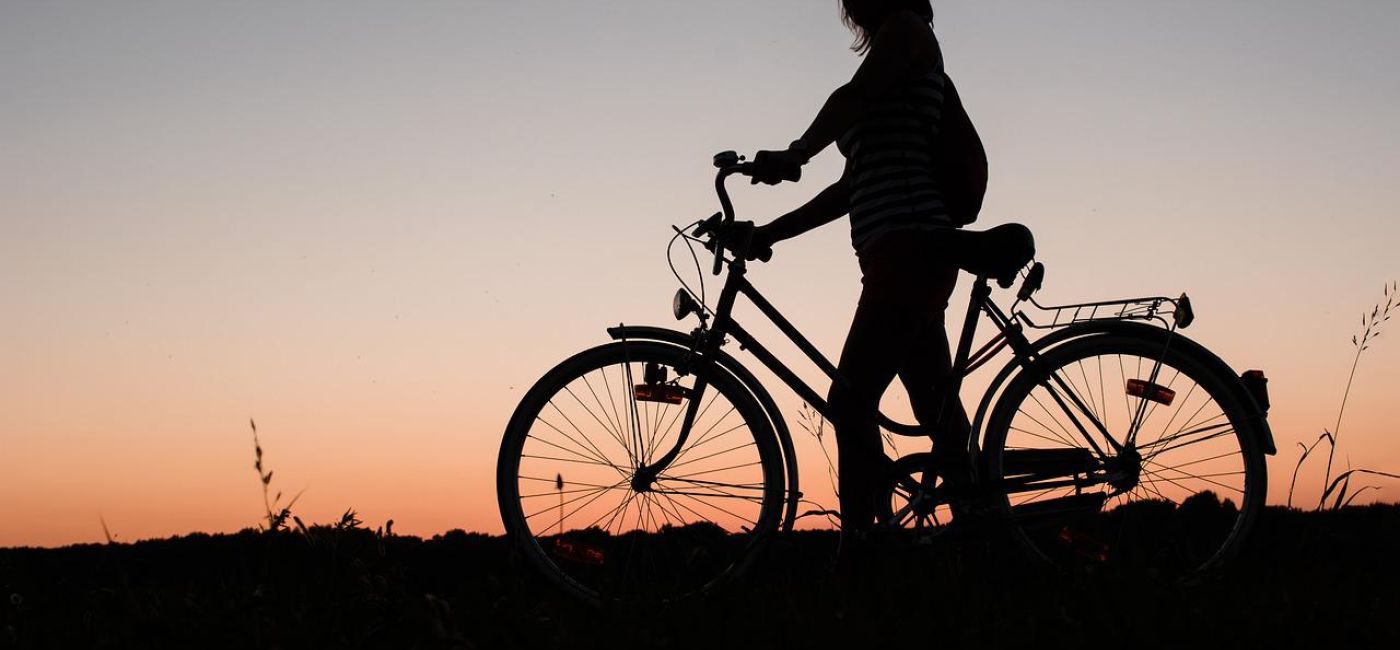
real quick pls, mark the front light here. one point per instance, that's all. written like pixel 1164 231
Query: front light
pixel 683 305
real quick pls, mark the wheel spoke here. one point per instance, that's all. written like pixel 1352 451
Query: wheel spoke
pixel 1037 495
pixel 1048 439
pixel 556 480
pixel 711 494
pixel 706 435
pixel 568 460
pixel 611 515
pixel 1068 437
pixel 1151 486
pixel 709 456
pixel 1203 477
pixel 711 505
pixel 1205 460
pixel 722 469
pixel 1190 422
pixel 1181 404
pixel 613 430
pixel 1217 431
pixel 1079 405
pixel 558 493
pixel 617 417
pixel 1088 390
pixel 574 426
pixel 1150 408
pixel 634 420
pixel 554 506
pixel 665 434
pixel 736 486
pixel 603 461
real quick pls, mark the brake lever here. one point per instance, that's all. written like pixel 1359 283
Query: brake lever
pixel 708 226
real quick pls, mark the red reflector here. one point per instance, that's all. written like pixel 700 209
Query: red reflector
pixel 1150 391
pixel 1083 545
pixel 665 393
pixel 578 552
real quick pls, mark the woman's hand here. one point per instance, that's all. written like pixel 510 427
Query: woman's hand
pixel 773 167
pixel 761 243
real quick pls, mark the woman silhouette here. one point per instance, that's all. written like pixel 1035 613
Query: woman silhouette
pixel 886 121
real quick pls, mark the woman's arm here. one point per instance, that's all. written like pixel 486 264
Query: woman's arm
pixel 827 206
pixel 903 40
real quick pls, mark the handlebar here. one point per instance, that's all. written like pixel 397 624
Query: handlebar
pixel 720 225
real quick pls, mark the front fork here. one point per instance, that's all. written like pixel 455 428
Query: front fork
pixel 703 349
pixel 647 474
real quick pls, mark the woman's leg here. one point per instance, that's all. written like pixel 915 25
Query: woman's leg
pixel 880 335
pixel 899 301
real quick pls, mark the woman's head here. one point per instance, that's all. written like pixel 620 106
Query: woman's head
pixel 864 16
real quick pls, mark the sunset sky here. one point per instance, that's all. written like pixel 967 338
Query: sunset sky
pixel 371 226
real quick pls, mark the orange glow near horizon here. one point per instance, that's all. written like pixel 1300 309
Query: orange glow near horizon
pixel 372 230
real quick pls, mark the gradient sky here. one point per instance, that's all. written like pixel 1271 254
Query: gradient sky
pixel 372 225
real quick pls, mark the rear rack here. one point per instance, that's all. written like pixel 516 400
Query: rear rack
pixel 1157 308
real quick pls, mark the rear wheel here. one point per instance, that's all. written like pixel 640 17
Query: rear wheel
pixel 915 497
pixel 1103 454
pixel 568 485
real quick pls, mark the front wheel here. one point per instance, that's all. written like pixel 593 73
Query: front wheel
pixel 569 488
pixel 1125 449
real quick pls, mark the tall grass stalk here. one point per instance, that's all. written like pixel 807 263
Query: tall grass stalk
pixel 276 513
pixel 815 425
pixel 1337 488
pixel 106 532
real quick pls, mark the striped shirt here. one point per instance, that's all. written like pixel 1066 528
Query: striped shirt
pixel 889 153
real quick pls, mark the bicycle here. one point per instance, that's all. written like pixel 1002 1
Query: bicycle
pixel 643 515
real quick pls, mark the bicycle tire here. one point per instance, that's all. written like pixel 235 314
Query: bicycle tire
pixel 683 542
pixel 1167 518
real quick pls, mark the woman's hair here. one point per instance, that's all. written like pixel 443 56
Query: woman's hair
pixel 865 16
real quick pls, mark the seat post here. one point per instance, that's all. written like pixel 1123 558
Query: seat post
pixel 980 292
pixel 952 390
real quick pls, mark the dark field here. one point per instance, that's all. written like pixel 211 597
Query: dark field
pixel 1329 579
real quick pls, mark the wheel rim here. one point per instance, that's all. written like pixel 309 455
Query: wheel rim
pixel 1176 496
pixel 587 519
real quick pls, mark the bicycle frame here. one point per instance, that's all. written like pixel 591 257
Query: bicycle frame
pixel 966 361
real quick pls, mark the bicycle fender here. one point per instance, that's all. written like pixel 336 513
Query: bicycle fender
pixel 746 378
pixel 1141 330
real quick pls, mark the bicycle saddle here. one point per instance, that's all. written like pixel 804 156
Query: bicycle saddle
pixel 999 252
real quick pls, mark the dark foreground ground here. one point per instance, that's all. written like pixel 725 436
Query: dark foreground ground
pixel 1309 580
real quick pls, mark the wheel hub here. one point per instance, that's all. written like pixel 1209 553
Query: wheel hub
pixel 1127 467
pixel 642 480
